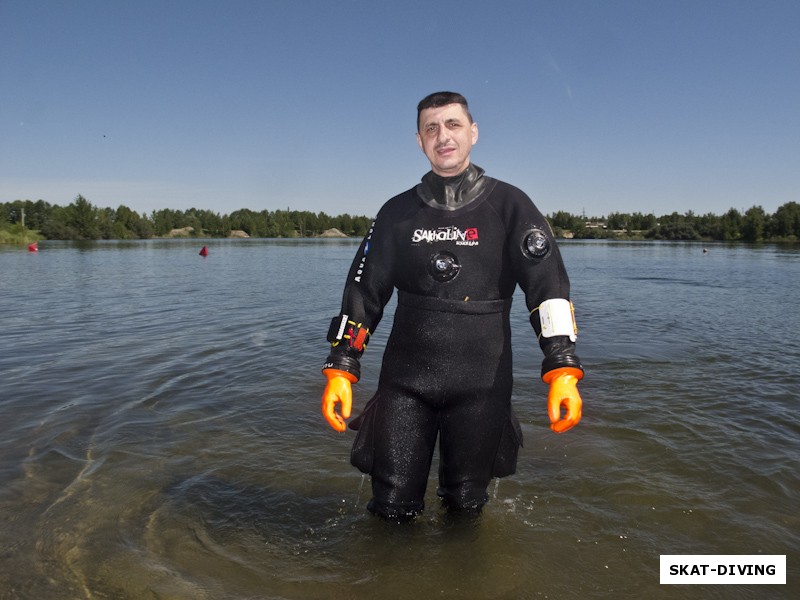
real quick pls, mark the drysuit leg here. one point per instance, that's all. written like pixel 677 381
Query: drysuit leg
pixel 405 436
pixel 404 441
pixel 469 437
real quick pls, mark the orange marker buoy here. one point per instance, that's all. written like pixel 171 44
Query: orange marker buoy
pixel 34 247
pixel 204 251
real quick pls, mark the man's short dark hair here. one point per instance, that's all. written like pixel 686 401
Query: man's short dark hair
pixel 437 99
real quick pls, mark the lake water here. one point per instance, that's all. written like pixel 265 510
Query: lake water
pixel 161 432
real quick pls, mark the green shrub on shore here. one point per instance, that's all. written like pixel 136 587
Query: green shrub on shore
pixel 15 234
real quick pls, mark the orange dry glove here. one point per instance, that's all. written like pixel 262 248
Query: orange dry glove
pixel 337 390
pixel 563 392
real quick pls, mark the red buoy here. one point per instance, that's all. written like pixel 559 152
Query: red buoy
pixel 34 247
pixel 204 251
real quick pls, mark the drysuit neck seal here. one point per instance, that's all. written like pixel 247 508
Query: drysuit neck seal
pixel 452 193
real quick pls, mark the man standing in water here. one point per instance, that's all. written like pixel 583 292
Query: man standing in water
pixel 455 247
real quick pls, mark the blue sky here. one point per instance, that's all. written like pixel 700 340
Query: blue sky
pixel 588 106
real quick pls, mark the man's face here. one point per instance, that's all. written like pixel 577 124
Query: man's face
pixel 446 137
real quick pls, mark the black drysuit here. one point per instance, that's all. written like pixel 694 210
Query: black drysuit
pixel 455 249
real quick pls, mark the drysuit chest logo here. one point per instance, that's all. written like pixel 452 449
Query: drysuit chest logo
pixel 465 237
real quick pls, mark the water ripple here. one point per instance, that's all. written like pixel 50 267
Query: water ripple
pixel 162 435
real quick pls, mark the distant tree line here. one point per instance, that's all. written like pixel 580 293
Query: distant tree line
pixel 80 220
pixel 755 225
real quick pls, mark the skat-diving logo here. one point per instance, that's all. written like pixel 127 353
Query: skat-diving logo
pixel 467 237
